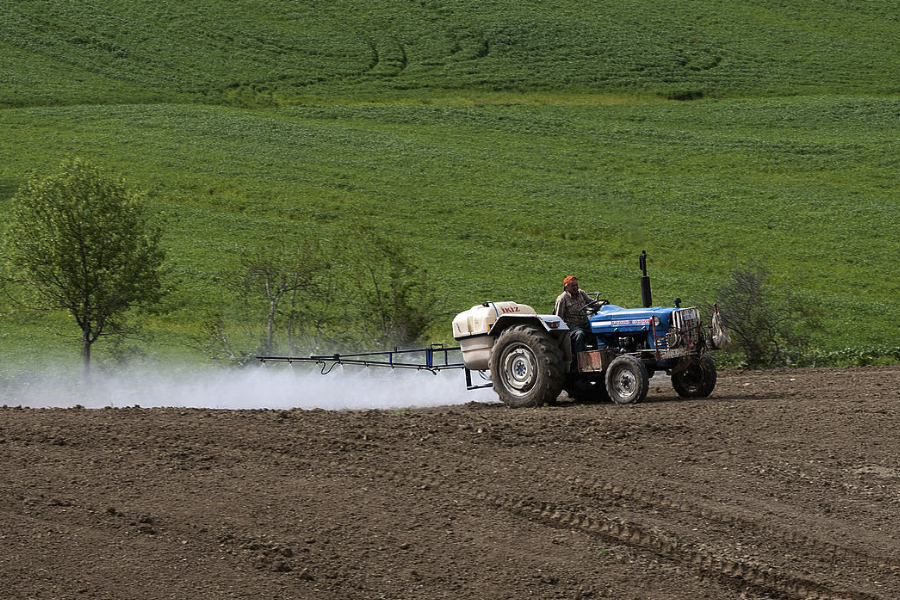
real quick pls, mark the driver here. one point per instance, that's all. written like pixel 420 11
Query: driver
pixel 570 307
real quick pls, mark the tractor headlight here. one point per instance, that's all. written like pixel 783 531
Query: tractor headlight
pixel 656 321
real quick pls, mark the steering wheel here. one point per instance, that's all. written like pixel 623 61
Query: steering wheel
pixel 593 306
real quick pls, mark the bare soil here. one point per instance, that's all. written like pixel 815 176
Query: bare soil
pixel 783 484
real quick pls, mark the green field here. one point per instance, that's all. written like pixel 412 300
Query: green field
pixel 504 145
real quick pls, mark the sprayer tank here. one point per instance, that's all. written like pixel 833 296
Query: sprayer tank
pixel 472 330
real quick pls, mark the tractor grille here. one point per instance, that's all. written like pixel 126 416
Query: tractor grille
pixel 684 332
pixel 687 322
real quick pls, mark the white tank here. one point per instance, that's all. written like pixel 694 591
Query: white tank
pixel 471 328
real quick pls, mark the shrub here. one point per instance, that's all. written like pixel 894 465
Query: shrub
pixel 767 324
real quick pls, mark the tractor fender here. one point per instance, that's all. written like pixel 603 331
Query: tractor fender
pixel 554 326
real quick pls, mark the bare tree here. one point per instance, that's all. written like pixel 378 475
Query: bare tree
pixel 399 300
pixel 282 276
pixel 366 292
pixel 767 324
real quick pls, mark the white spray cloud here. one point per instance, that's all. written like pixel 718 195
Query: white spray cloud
pixel 281 387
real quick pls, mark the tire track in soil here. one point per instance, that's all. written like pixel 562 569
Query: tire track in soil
pixel 606 490
pixel 730 571
pixel 590 487
pixel 734 572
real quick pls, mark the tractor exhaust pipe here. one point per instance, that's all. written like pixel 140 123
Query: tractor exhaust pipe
pixel 646 297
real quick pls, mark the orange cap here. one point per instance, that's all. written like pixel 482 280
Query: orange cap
pixel 569 279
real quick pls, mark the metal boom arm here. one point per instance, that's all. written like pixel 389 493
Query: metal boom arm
pixel 434 358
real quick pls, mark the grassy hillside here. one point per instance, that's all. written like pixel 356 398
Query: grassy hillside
pixel 505 144
pixel 260 52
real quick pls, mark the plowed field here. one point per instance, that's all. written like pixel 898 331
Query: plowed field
pixel 783 484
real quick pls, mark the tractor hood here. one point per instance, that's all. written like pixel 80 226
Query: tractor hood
pixel 615 319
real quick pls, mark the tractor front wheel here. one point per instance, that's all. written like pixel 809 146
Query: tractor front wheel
pixel 627 380
pixel 695 378
pixel 527 367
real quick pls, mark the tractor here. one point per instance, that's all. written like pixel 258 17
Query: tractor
pixel 530 360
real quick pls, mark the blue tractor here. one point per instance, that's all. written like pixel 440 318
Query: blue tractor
pixel 530 360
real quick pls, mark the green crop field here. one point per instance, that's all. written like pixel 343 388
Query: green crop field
pixel 503 144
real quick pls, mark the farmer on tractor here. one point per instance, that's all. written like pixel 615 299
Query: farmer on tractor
pixel 571 308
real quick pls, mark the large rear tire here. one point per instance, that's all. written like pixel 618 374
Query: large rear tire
pixel 527 367
pixel 627 380
pixel 695 378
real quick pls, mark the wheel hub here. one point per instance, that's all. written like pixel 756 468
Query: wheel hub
pixel 625 383
pixel 519 366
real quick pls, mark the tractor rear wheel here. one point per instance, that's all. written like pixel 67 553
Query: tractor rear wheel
pixel 627 380
pixel 695 378
pixel 527 367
